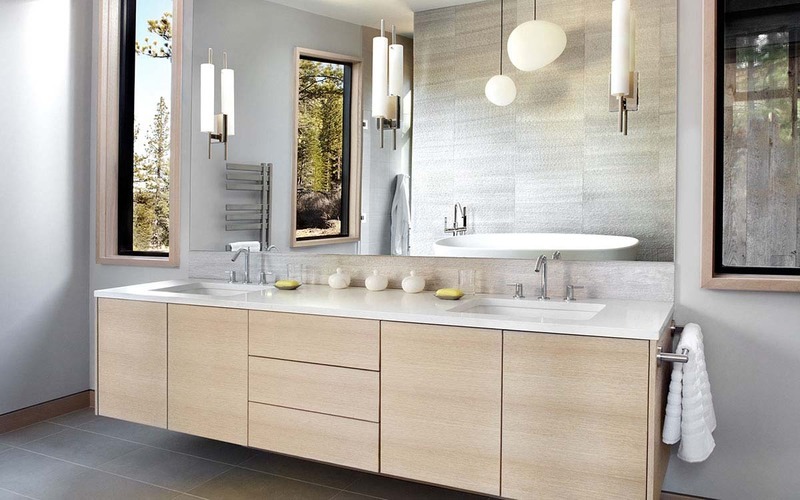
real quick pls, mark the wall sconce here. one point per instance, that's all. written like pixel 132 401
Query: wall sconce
pixel 219 127
pixel 624 81
pixel 387 82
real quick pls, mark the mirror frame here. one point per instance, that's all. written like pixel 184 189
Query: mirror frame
pixel 354 212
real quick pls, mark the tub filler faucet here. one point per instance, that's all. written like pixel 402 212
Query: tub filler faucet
pixel 459 226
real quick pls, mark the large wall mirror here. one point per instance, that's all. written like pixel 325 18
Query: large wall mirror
pixel 459 175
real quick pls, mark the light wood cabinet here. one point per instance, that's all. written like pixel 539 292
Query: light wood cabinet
pixel 208 372
pixel 575 416
pixel 343 392
pixel 343 441
pixel 132 361
pixel 516 414
pixel 440 405
pixel 353 343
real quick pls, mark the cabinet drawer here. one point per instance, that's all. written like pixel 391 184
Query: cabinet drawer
pixel 342 441
pixel 325 389
pixel 325 340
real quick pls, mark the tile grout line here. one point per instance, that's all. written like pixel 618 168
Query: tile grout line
pixel 87 467
pixel 18 493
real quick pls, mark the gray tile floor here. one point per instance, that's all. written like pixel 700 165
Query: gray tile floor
pixel 80 456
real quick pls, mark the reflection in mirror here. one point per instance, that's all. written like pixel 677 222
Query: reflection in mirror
pixel 327 160
pixel 547 173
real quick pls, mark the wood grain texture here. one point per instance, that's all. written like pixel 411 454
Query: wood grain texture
pixel 440 405
pixel 657 452
pixel 353 343
pixel 325 389
pixel 132 361
pixel 208 372
pixel 341 441
pixel 575 415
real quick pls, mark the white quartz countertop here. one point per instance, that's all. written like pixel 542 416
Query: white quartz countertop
pixel 632 319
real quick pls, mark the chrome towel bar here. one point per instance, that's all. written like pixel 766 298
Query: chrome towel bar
pixel 671 357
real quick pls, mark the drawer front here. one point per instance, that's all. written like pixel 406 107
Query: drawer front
pixel 353 343
pixel 337 440
pixel 344 392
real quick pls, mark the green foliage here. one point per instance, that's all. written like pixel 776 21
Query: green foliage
pixel 151 185
pixel 161 47
pixel 319 144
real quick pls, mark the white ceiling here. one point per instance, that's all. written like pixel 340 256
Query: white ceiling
pixel 370 12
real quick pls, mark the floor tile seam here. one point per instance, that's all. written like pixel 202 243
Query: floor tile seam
pixel 18 493
pixel 33 440
pixel 338 490
pixel 158 448
pixel 88 467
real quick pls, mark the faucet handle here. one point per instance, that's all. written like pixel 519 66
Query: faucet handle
pixel 570 295
pixel 519 291
pixel 231 276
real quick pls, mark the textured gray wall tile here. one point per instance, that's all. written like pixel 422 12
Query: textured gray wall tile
pixel 609 280
pixel 570 170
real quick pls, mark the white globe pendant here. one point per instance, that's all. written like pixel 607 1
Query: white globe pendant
pixel 535 44
pixel 501 90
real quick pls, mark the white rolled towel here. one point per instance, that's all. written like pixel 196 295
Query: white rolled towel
pixel 253 246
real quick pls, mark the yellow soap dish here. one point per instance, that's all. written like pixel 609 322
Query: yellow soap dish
pixel 287 285
pixel 449 294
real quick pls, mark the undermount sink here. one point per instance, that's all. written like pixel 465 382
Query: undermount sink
pixel 530 309
pixel 211 289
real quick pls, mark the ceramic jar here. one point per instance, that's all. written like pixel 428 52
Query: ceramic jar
pixel 339 279
pixel 413 283
pixel 376 282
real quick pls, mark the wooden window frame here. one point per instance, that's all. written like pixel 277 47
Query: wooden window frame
pixel 108 66
pixel 710 277
pixel 354 208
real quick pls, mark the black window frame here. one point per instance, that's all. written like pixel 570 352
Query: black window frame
pixel 719 168
pixel 127 85
pixel 347 136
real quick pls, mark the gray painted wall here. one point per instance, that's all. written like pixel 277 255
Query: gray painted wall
pixel 44 273
pixel 260 38
pixel 553 160
pixel 752 339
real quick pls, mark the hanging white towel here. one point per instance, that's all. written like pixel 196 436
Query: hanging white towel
pixel 690 416
pixel 401 216
pixel 254 246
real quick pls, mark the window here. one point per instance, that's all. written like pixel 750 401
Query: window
pixel 751 153
pixel 327 159
pixel 144 127
pixel 138 107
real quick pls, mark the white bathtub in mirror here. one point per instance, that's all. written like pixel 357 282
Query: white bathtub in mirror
pixel 532 245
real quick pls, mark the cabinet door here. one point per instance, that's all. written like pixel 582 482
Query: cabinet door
pixel 440 405
pixel 208 372
pixel 132 361
pixel 574 416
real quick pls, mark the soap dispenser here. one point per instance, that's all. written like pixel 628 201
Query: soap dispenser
pixel 413 283
pixel 376 282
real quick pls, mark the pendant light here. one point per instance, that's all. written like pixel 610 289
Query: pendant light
pixel 500 89
pixel 535 44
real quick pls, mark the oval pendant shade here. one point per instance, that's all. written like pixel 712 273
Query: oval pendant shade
pixel 535 44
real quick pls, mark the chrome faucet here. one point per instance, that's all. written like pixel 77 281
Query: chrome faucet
pixel 246 252
pixel 459 214
pixel 541 267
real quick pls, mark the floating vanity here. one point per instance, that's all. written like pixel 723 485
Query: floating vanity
pixel 512 398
